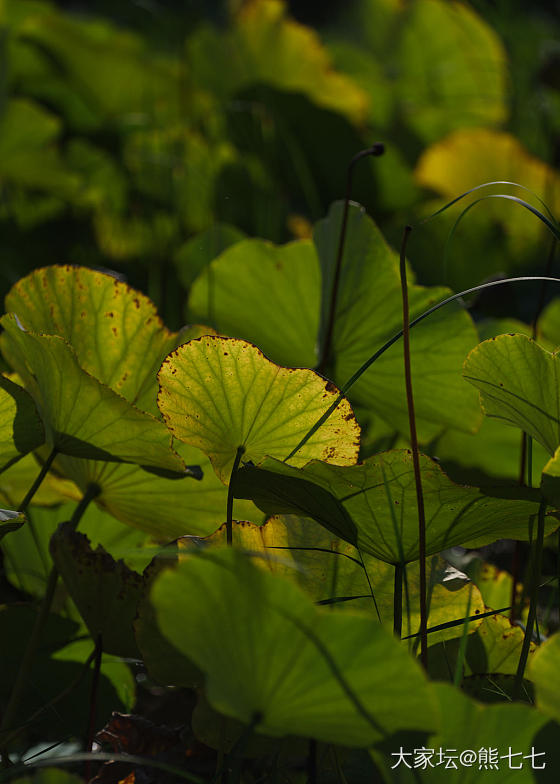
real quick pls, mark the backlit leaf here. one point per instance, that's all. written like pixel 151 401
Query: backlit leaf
pixel 328 568
pixel 518 383
pixel 267 652
pixel 373 505
pixel 67 397
pixel 21 428
pixel 219 394
pixel 277 308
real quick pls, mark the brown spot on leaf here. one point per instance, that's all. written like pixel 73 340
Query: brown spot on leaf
pixel 330 387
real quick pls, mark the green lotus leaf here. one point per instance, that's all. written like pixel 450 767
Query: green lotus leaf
pixel 330 571
pixel 517 735
pixel 491 454
pixel 544 671
pixel 265 46
pixel 518 383
pixel 373 505
pixel 83 417
pixel 28 156
pixel 221 394
pixel 369 312
pixel 111 75
pixel 270 656
pixel 21 428
pixel 455 79
pixel 192 258
pixel 277 307
pixel 494 648
pixel 549 324
pixel 164 508
pixel 114 330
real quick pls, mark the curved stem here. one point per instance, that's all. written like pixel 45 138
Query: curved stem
pixel 230 496
pixel 376 150
pixel 36 484
pixel 415 457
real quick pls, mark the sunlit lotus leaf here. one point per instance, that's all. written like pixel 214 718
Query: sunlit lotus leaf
pixel 373 505
pixel 369 312
pixel 518 383
pixel 114 330
pixel 269 655
pixel 468 158
pixel 494 648
pixel 277 308
pixel 220 394
pixel 331 572
pixel 544 671
pixel 82 416
pixel 265 46
pixel 516 736
pixel 494 584
pixel 106 592
pixel 21 428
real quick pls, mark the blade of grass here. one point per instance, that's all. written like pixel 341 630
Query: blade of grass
pixel 458 675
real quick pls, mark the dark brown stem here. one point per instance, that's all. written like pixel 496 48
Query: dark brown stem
pixel 375 150
pixel 415 454
pixel 93 704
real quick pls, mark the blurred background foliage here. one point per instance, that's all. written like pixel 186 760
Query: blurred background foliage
pixel 146 136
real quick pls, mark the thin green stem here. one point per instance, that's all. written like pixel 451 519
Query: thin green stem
pixel 28 657
pixel 397 601
pixel 36 484
pixel 231 494
pixel 535 579
pixel 415 456
pixel 324 359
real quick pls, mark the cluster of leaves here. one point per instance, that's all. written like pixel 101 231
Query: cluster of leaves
pixel 245 487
